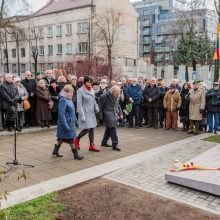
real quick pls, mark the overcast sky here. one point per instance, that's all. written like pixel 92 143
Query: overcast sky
pixel 34 5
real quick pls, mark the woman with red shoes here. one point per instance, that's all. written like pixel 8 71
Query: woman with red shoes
pixel 87 108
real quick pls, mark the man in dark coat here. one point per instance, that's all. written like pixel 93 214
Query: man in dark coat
pixel 213 105
pixel 110 108
pixel 10 97
pixel 162 111
pixel 30 85
pixel 152 100
pixel 48 77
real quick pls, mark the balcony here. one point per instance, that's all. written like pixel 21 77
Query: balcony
pixel 161 49
pixel 145 32
pixel 146 50
pixel 146 41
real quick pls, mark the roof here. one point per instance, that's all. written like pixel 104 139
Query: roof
pixel 54 6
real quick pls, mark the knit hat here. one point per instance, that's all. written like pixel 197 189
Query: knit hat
pixel 81 79
pixel 37 73
pixel 196 82
pixel 215 84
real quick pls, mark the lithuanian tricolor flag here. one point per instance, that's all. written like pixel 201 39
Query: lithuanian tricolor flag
pixel 216 57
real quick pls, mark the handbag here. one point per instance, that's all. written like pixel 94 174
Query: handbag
pixel 51 104
pixel 26 105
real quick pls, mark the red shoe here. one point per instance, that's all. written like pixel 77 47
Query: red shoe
pixel 92 147
pixel 76 143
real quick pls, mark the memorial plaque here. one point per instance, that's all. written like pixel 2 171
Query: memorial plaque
pixel 203 180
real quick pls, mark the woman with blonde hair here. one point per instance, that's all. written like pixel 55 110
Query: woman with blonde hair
pixel 66 127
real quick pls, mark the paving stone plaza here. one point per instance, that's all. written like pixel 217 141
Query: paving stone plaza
pixel 146 156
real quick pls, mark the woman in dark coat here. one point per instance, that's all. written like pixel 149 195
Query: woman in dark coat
pixel 43 104
pixel 54 92
pixel 66 128
pixel 184 110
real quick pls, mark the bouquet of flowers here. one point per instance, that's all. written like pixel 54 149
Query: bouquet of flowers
pixel 128 108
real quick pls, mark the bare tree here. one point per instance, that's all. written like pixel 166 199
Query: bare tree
pixel 185 30
pixel 107 28
pixel 217 8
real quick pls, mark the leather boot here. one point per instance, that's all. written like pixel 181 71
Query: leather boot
pixel 76 154
pixel 76 143
pixel 56 151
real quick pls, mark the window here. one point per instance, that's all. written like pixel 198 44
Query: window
pixel 50 49
pixel 5 53
pixel 41 50
pixel 49 32
pixel 50 66
pixel 59 31
pixel 69 48
pixel 13 53
pixel 22 52
pixel 42 68
pixel 33 34
pixel 59 49
pixel 34 50
pixel 14 68
pixel 23 68
pixel 41 33
pixel 82 28
pixel 69 29
pixel 5 68
pixel 82 47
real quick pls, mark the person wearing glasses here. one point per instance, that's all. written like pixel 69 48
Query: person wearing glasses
pixel 87 108
pixel 30 85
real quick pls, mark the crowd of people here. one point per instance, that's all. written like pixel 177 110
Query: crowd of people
pixel 128 102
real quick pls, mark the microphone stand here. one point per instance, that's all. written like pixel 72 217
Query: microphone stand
pixel 15 162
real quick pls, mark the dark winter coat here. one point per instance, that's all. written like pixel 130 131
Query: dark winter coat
pixel 61 85
pixel 109 108
pixel 184 110
pixel 54 97
pixel 43 98
pixel 134 92
pixel 154 94
pixel 66 127
pixel 213 100
pixel 9 94
pixel 30 86
pixel 162 94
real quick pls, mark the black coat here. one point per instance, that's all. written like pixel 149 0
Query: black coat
pixel 184 110
pixel 30 86
pixel 54 97
pixel 109 108
pixel 9 94
pixel 213 100
pixel 162 94
pixel 154 94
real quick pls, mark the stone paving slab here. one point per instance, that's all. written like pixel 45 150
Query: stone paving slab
pixel 36 147
pixel 205 180
pixel 148 174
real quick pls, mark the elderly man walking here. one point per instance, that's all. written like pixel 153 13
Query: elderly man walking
pixel 110 108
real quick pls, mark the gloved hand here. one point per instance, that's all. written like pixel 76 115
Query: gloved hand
pixel 201 111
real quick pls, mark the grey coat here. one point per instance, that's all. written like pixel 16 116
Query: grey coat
pixel 24 96
pixel 86 107
pixel 110 109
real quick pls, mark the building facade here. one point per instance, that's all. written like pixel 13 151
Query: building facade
pixel 65 29
pixel 158 20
